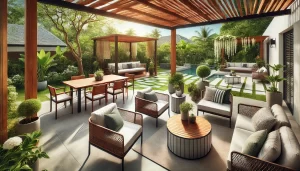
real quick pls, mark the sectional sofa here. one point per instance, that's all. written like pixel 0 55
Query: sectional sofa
pixel 239 67
pixel 127 67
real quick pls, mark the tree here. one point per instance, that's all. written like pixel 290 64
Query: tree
pixel 203 35
pixel 155 33
pixel 15 12
pixel 70 24
pixel 130 32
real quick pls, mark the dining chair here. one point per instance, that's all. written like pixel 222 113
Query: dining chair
pixel 77 77
pixel 129 82
pixel 97 93
pixel 57 98
pixel 118 88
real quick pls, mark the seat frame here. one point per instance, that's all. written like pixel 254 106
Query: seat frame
pixel 92 99
pixel 55 100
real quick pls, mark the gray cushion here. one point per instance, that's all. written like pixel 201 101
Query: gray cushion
pixel 272 147
pixel 97 117
pixel 129 66
pixel 209 93
pixel 244 122
pixel 124 66
pixel 254 143
pixel 130 132
pixel 263 119
pixel 133 65
pixel 209 106
pixel 96 97
pixel 281 118
pixel 290 149
pixel 141 93
pixel 113 121
pixel 151 96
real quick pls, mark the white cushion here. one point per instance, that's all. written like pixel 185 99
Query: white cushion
pixel 141 93
pixel 131 70
pixel 281 117
pixel 238 64
pixel 130 132
pixel 96 97
pixel 62 97
pixel 97 117
pixel 120 66
pixel 244 122
pixel 263 119
pixel 262 69
pixel 239 68
pixel 161 106
pixel 110 90
pixel 222 109
pixel 250 65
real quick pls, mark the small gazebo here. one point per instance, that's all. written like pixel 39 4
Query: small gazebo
pixel 102 47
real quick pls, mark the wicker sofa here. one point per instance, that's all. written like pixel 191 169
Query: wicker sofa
pixel 239 67
pixel 289 158
pixel 127 67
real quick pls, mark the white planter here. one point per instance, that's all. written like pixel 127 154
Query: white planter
pixel 273 98
pixel 171 88
pixel 178 93
pixel 185 116
pixel 201 85
pixel 28 127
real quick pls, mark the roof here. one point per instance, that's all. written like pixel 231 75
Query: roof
pixel 167 39
pixel 173 14
pixel 16 36
pixel 124 38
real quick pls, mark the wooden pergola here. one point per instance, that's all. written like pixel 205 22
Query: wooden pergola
pixel 168 14
pixel 116 38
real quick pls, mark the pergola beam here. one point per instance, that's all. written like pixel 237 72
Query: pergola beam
pixel 195 9
pixel 173 51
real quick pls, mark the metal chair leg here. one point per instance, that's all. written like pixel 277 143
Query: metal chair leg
pixel 156 122
pixel 122 164
pixel 50 105
pixel 55 110
pixel 89 152
pixel 169 112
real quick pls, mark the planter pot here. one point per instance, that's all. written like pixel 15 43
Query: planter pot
pixel 35 166
pixel 98 78
pixel 178 93
pixel 273 98
pixel 201 85
pixel 171 88
pixel 23 127
pixel 42 85
pixel 192 119
pixel 151 71
pixel 184 116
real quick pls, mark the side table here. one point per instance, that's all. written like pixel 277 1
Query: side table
pixel 176 101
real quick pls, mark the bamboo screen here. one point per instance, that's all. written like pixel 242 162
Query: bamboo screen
pixel 134 51
pixel 102 50
pixel 150 49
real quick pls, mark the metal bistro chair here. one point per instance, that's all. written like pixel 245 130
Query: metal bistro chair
pixel 129 82
pixel 118 88
pixel 97 93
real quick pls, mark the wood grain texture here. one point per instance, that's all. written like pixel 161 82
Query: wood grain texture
pixel 173 51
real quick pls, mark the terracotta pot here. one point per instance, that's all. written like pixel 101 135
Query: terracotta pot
pixel 201 84
pixel 178 93
pixel 23 128
pixel 273 98
pixel 184 116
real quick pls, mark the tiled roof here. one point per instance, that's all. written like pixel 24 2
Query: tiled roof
pixel 167 39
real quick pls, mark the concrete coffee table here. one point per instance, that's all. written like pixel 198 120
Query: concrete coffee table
pixel 189 140
pixel 232 79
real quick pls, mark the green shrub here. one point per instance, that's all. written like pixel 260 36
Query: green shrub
pixel 203 71
pixel 176 79
pixel 15 67
pixel 54 77
pixel 18 81
pixel 29 107
pixel 185 107
pixel 210 62
pixel 99 73
pixel 12 98
pixel 194 92
pixel 69 72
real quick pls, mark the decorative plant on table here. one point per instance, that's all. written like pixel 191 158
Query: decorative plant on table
pixel 273 95
pixel 151 68
pixel 232 73
pixel 28 109
pixel 202 71
pixel 192 118
pixel 178 90
pixel 21 153
pixel 99 75
pixel 175 79
pixel 194 92
pixel 185 107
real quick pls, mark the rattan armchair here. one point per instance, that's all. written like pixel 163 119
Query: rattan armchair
pixel 111 141
pixel 153 109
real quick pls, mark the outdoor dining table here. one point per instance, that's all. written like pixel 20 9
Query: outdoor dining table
pixel 89 82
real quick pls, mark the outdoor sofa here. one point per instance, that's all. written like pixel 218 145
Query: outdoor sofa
pixel 288 158
pixel 239 67
pixel 127 67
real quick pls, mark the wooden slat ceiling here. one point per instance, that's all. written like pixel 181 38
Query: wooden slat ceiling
pixel 124 38
pixel 172 14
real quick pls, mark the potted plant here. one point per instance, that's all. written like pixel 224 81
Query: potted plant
pixel 151 68
pixel 273 95
pixel 232 73
pixel 210 63
pixel 202 71
pixel 194 92
pixel 28 109
pixel 21 153
pixel 178 90
pixel 175 79
pixel 185 107
pixel 99 75
pixel 192 118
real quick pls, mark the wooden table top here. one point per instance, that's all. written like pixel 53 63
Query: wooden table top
pixel 87 82
pixel 184 129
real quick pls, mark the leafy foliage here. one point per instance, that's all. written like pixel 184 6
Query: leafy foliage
pixel 275 78
pixel 29 107
pixel 18 81
pixel 194 92
pixel 203 71
pixel 69 72
pixel 185 107
pixel 176 79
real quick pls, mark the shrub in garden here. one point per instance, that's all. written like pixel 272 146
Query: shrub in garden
pixel 12 113
pixel 29 108
pixel 210 62
pixel 18 81
pixel 69 72
pixel 194 92
pixel 203 71
pixel 54 77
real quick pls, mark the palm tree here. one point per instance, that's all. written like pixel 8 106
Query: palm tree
pixel 155 33
pixel 130 32
pixel 203 35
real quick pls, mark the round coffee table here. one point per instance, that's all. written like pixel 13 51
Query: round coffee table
pixel 176 101
pixel 189 140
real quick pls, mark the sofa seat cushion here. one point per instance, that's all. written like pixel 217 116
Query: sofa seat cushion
pixel 62 97
pixel 130 132
pixel 97 117
pixel 281 117
pixel 209 106
pixel 161 106
pixel 238 139
pixel 238 68
pixel 131 70
pixel 244 122
pixel 290 149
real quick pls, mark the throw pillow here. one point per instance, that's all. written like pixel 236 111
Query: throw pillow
pixel 113 121
pixel 141 93
pixel 137 65
pixel 124 66
pixel 271 149
pixel 133 65
pixel 263 119
pixel 245 65
pixel 254 143
pixel 219 96
pixel 228 64
pixel 227 95
pixel 129 66
pixel 151 96
pixel 209 93
pixel 281 118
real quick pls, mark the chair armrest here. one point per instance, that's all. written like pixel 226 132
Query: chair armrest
pixel 141 103
pixel 132 117
pixel 163 96
pixel 247 110
pixel 243 162
pixel 106 139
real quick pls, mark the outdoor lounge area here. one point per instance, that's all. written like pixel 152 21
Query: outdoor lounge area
pixel 115 99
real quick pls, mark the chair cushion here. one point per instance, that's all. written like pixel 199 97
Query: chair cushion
pixel 290 149
pixel 141 93
pixel 113 121
pixel 97 117
pixel 131 70
pixel 271 149
pixel 263 119
pixel 219 96
pixel 96 97
pixel 244 122
pixel 128 84
pixel 209 106
pixel 111 91
pixel 151 96
pixel 254 143
pixel 161 106
pixel 62 97
pixel 280 116
pixel 209 93
pixel 130 132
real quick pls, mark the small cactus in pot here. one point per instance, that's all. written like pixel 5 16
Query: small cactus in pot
pixel 192 118
pixel 99 75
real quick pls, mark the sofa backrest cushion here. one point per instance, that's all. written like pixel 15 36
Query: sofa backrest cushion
pixel 209 93
pixel 271 149
pixel 124 66
pixel 141 93
pixel 254 143
pixel 97 117
pixel 238 64
pixel 263 119
pixel 290 149
pixel 281 117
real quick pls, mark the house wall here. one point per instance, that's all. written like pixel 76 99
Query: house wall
pixel 277 27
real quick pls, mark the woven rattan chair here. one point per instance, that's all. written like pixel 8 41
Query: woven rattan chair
pixel 118 88
pixel 59 98
pixel 129 82
pixel 116 143
pixel 97 93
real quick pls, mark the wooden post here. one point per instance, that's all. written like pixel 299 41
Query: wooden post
pixel 173 51
pixel 30 49
pixel 3 71
pixel 116 55
pixel 261 50
pixel 130 53
pixel 155 57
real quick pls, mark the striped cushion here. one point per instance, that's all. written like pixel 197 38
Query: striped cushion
pixel 219 96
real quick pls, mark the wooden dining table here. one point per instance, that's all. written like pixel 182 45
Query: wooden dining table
pixel 89 82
